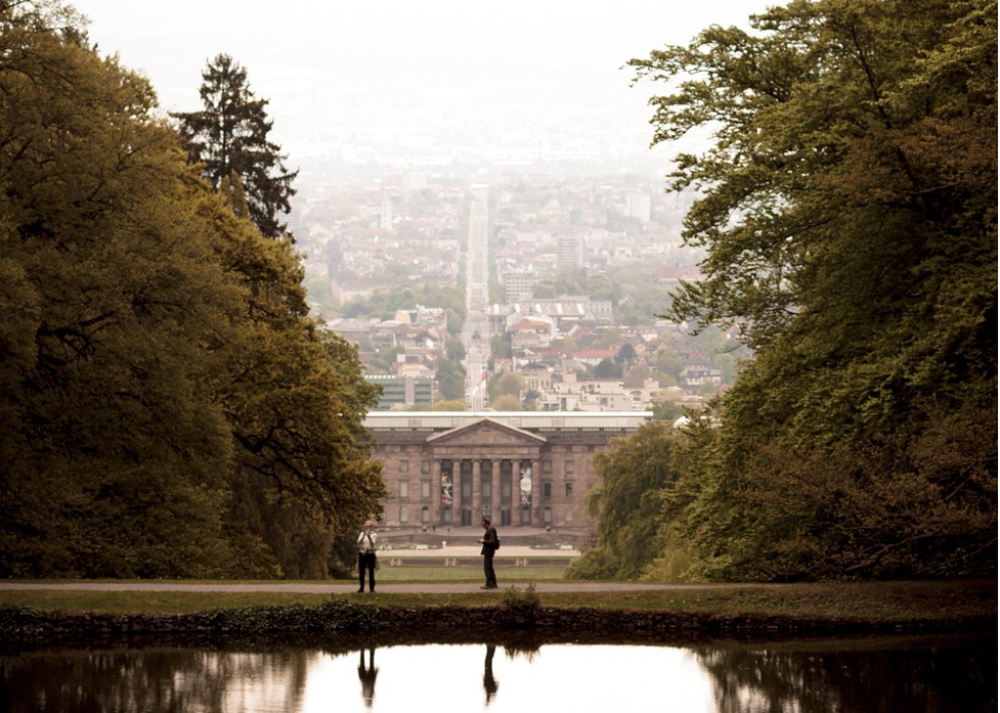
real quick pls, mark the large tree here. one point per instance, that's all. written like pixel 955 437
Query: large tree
pixel 848 207
pixel 636 474
pixel 229 136
pixel 167 407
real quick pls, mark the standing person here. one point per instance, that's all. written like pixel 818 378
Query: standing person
pixel 366 556
pixel 489 541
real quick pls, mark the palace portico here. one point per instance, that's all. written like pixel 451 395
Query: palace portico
pixel 520 469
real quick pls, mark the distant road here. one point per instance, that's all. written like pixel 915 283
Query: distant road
pixel 476 333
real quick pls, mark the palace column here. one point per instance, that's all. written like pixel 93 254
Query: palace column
pixel 495 501
pixel 476 503
pixel 437 468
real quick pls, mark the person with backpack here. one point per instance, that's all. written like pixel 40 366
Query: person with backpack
pixel 491 543
pixel 366 556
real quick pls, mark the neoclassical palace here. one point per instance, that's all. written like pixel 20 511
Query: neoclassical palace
pixel 520 469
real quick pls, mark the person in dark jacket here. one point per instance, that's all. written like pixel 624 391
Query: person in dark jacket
pixel 489 541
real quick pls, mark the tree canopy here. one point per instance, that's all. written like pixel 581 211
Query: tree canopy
pixel 229 137
pixel 635 473
pixel 848 209
pixel 168 408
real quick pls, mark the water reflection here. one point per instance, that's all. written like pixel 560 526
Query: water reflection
pixel 490 684
pixel 367 676
pixel 932 675
pixel 853 676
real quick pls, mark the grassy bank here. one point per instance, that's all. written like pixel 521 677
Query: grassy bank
pixel 874 601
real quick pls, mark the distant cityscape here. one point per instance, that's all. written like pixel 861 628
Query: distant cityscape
pixel 566 291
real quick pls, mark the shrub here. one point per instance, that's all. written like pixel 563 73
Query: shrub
pixel 522 606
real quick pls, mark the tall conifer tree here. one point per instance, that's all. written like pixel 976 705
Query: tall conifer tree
pixel 230 135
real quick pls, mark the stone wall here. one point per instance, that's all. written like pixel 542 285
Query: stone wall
pixel 349 624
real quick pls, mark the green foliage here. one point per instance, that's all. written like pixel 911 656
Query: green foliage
pixel 667 411
pixel 453 405
pixel 849 214
pixel 451 379
pixel 454 349
pixel 510 384
pixel 385 303
pixel 596 563
pixel 334 616
pixel 637 474
pixel 506 402
pixel 500 346
pixel 342 561
pixel 607 369
pixel 168 408
pixel 19 623
pixel 906 504
pixel 229 137
pixel 521 605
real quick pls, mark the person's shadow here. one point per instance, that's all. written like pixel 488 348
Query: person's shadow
pixel 490 684
pixel 367 677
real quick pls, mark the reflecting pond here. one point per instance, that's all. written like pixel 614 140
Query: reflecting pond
pixel 894 675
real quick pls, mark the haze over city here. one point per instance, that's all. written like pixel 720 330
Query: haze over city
pixel 418 84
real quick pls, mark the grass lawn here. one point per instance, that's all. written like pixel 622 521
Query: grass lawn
pixel 873 601
pixel 415 573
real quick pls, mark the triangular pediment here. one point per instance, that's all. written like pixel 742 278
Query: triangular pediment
pixel 486 432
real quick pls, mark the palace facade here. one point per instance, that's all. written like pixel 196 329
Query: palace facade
pixel 520 469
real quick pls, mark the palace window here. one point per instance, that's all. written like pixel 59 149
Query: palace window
pixel 404 489
pixel 404 466
pixel 425 489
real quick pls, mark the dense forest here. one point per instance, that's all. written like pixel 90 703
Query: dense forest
pixel 849 212
pixel 167 407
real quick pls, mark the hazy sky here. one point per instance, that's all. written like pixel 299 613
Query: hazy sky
pixel 308 57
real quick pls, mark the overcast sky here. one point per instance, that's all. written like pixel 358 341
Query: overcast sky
pixel 305 56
